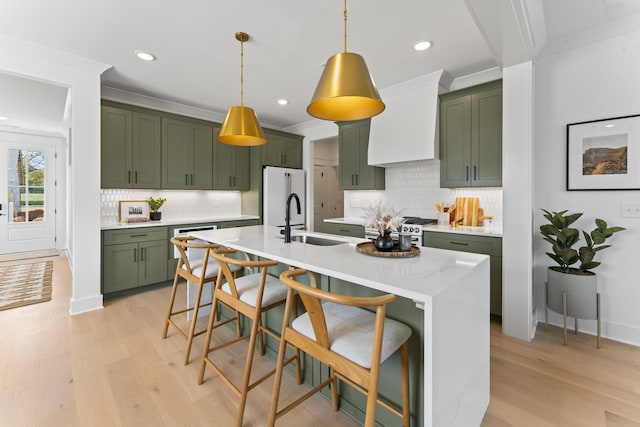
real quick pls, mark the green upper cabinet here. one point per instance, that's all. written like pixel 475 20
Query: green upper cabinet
pixel 231 167
pixel 282 150
pixel 471 137
pixel 130 149
pixel 187 155
pixel 355 172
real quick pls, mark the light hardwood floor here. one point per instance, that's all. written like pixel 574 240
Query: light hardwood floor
pixel 111 368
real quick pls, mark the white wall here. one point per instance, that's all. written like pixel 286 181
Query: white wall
pixel 517 173
pixel 596 81
pixel 82 76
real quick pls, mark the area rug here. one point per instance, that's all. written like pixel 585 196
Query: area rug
pixel 25 284
pixel 20 256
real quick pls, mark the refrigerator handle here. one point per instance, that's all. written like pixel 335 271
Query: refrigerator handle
pixel 287 180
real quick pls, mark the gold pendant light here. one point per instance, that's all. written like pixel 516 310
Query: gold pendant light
pixel 241 126
pixel 346 90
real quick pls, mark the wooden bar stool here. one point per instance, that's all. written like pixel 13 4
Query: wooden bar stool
pixel 251 296
pixel 352 341
pixel 199 272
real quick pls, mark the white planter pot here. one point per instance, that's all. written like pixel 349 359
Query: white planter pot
pixel 581 294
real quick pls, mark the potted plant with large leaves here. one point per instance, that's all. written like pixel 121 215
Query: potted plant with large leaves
pixel 573 291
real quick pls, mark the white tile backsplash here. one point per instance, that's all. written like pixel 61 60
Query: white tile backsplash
pixel 179 204
pixel 414 187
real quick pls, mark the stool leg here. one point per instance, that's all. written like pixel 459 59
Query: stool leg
pixel 255 330
pixel 171 301
pixel 207 341
pixel 335 403
pixel 404 362
pixel 194 320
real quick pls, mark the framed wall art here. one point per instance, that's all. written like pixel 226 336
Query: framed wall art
pixel 133 211
pixel 604 154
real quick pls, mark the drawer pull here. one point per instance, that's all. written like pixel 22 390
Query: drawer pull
pixel 137 235
pixel 459 243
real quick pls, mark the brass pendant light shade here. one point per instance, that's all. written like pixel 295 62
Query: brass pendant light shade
pixel 346 90
pixel 241 126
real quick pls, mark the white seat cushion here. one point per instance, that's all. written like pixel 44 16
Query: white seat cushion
pixel 247 287
pixel 351 332
pixel 212 268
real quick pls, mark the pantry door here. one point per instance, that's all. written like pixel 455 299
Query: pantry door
pixel 27 197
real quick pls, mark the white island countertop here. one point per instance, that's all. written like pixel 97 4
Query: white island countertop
pixel 452 287
pixel 418 278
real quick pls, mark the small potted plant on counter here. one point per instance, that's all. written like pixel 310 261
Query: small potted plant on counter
pixel 385 220
pixel 570 290
pixel 155 205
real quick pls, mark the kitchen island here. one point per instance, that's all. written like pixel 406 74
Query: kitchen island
pixel 451 288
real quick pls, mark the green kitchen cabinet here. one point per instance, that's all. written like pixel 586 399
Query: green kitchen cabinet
pixel 231 167
pixel 471 137
pixel 354 170
pixel 342 229
pixel 133 258
pixel 282 150
pixel 130 149
pixel 187 155
pixel 487 245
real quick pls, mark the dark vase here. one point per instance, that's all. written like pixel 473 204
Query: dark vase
pixel 155 216
pixel 384 243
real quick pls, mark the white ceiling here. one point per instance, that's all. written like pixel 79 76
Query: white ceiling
pixel 199 58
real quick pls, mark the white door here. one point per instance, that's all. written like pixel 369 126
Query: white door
pixel 27 197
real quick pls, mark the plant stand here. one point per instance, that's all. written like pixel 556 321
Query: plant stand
pixel 558 301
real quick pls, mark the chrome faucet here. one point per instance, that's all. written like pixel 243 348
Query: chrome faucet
pixel 287 218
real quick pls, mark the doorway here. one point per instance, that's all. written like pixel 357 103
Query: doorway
pixel 27 197
pixel 328 199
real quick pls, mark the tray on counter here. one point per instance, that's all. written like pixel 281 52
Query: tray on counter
pixel 368 248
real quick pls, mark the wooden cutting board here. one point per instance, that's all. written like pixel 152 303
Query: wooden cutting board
pixel 467 211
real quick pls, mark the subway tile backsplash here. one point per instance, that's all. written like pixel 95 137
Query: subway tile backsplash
pixel 415 188
pixel 179 204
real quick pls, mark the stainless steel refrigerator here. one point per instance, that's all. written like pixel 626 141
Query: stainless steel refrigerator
pixel 277 184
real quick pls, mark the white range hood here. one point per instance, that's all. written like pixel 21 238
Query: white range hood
pixel 407 130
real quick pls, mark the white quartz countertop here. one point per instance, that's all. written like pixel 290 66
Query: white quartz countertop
pixel 353 221
pixel 176 221
pixel 419 278
pixel 477 231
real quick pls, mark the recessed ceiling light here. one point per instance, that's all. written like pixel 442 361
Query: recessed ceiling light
pixel 283 101
pixel 609 126
pixel 422 45
pixel 4 118
pixel 145 56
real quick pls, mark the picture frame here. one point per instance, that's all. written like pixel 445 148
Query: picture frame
pixel 604 154
pixel 133 211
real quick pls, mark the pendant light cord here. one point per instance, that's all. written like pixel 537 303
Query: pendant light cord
pixel 345 26
pixel 242 73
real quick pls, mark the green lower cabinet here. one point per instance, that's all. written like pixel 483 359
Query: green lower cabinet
pixel 132 259
pixel 486 245
pixel 351 230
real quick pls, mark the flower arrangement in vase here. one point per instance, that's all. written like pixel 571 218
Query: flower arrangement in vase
pixel 385 220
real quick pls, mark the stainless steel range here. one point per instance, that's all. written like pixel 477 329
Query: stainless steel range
pixel 412 225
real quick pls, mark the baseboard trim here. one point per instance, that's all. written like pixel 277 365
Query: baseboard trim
pixel 84 305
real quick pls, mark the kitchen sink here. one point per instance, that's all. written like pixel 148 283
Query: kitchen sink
pixel 315 240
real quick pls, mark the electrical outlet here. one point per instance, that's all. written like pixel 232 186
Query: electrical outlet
pixel 630 210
